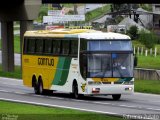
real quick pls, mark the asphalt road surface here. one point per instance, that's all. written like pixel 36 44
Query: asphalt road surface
pixel 88 7
pixel 13 90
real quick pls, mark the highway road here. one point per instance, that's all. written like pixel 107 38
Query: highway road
pixel 13 90
pixel 88 7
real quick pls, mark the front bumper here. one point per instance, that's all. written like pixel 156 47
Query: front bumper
pixel 109 89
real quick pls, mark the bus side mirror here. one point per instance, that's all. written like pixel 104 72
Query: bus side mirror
pixel 135 61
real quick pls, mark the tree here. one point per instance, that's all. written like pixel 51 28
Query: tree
pixel 148 39
pixel 41 14
pixel 133 32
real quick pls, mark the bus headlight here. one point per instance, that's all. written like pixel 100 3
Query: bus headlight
pixel 128 89
pixel 95 90
pixel 93 83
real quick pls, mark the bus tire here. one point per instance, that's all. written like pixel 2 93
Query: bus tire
pixel 35 85
pixel 40 87
pixel 75 90
pixel 116 96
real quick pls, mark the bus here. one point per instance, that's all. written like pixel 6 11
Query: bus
pixel 78 61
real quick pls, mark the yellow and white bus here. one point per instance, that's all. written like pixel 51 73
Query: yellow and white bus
pixel 78 61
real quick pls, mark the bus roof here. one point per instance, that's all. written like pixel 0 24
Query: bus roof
pixel 75 33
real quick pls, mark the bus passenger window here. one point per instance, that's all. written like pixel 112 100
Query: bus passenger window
pixel 48 47
pixel 31 46
pixel 25 46
pixel 56 45
pixel 74 48
pixel 39 46
pixel 65 47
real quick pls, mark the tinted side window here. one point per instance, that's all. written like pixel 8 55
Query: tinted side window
pixel 31 46
pixel 48 46
pixel 56 46
pixel 39 45
pixel 83 44
pixel 25 45
pixel 74 48
pixel 65 47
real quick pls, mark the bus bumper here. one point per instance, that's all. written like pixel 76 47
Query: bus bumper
pixel 109 89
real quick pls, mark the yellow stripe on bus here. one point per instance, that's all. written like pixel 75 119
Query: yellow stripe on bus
pixel 105 79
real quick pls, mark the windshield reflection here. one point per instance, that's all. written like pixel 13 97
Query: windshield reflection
pixel 109 65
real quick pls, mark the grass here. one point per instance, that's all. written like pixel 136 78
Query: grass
pixel 16 74
pixel 16 44
pixel 149 62
pixel 97 12
pixel 33 112
pixel 147 86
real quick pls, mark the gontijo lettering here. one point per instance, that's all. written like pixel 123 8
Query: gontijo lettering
pixel 46 61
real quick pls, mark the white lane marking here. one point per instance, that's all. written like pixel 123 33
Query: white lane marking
pixel 6 91
pixel 102 103
pixel 128 106
pixel 59 106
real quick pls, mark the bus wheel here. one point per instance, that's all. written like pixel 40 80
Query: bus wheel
pixel 40 87
pixel 35 85
pixel 116 97
pixel 75 90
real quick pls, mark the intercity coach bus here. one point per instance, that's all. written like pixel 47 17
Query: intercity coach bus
pixel 78 61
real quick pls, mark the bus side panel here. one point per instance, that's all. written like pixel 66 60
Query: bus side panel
pixel 43 66
pixel 65 75
pixel 62 71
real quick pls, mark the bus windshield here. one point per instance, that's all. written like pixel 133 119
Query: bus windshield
pixel 106 58
pixel 109 65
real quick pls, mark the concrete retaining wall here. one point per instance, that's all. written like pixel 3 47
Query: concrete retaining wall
pixel 147 74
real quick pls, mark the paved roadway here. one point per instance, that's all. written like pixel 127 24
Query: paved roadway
pixel 88 7
pixel 13 90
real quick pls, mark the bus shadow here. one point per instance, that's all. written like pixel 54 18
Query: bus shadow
pixel 88 98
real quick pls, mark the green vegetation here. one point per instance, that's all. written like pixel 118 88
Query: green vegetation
pixel 97 12
pixel 136 43
pixel 43 12
pixel 132 32
pixel 147 86
pixel 147 7
pixel 33 112
pixel 149 62
pixel 71 5
pixel 16 44
pixel 16 74
pixel 148 39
